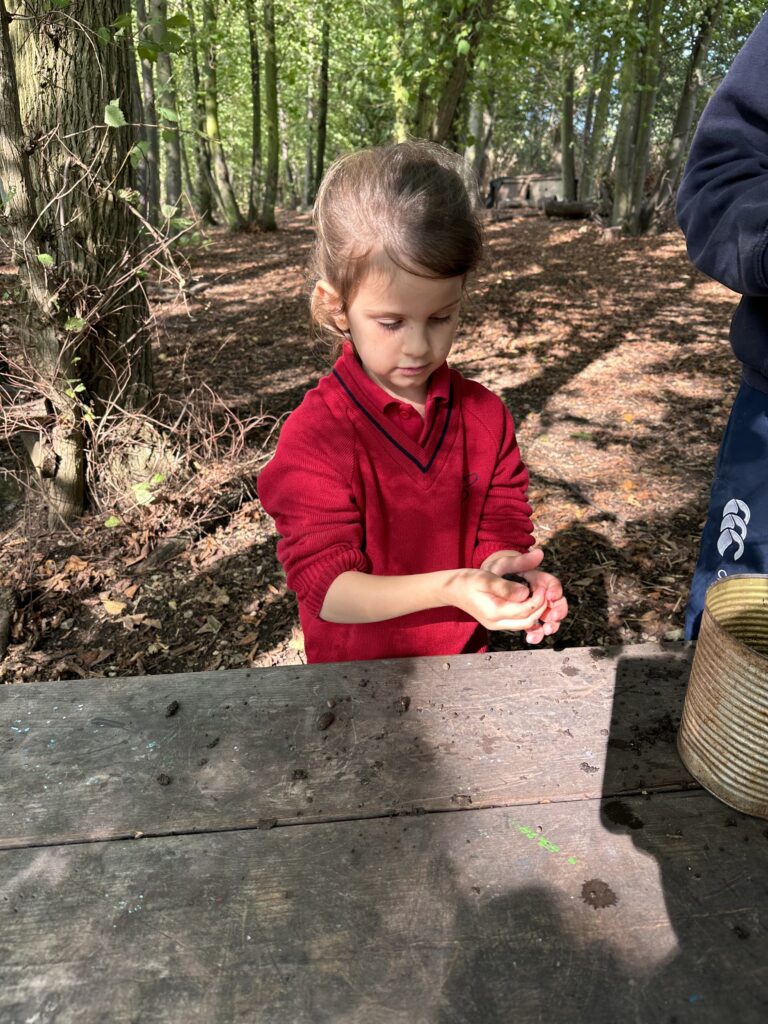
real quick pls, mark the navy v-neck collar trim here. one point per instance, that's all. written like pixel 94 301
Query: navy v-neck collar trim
pixel 421 466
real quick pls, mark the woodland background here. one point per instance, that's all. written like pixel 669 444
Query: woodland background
pixel 158 163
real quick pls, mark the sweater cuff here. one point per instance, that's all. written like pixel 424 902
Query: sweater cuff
pixel 485 548
pixel 311 585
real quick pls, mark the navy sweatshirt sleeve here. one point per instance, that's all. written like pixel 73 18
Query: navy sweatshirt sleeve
pixel 722 204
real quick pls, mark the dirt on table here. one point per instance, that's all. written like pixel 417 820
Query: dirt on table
pixel 613 359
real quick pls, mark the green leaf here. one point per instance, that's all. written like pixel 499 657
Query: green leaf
pixel 138 152
pixel 158 478
pixel 462 47
pixel 45 258
pixel 178 21
pixel 104 35
pixel 113 115
pixel 168 114
pixel 147 51
pixel 167 210
pixel 75 323
pixel 60 5
pixel 122 21
pixel 111 522
pixel 168 134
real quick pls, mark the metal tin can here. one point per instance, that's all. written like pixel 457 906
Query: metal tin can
pixel 723 736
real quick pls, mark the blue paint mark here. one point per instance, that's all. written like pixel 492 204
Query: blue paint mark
pixel 695 998
pixel 51 742
pixel 151 745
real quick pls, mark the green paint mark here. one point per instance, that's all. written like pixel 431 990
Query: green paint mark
pixel 542 841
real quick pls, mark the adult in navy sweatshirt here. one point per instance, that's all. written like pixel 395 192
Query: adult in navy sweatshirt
pixel 722 207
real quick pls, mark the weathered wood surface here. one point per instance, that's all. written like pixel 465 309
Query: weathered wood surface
pixel 443 918
pixel 81 760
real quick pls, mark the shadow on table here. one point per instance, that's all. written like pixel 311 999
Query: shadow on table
pixel 523 959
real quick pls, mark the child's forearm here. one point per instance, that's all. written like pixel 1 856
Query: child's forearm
pixel 356 597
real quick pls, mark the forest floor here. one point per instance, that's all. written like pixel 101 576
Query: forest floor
pixel 613 359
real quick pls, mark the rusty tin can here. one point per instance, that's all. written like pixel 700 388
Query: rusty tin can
pixel 723 736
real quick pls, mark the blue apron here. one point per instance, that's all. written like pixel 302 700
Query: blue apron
pixel 735 537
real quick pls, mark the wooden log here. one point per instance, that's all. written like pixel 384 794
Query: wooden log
pixel 556 913
pixel 80 760
pixel 573 210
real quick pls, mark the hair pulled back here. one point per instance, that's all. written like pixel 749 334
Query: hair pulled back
pixel 415 203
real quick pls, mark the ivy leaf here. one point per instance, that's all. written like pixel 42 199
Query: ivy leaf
pixel 74 323
pixel 112 522
pixel 462 47
pixel 103 34
pixel 168 114
pixel 45 258
pixel 167 210
pixel 122 21
pixel 113 115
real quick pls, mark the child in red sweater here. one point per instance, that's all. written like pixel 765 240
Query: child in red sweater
pixel 397 486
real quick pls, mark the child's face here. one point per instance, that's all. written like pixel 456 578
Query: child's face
pixel 402 327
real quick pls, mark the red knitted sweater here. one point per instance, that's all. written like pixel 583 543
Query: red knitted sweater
pixel 360 482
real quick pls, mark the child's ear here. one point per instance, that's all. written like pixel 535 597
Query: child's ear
pixel 326 295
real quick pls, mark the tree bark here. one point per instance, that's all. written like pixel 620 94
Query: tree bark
pixel 400 97
pixel 627 127
pixel 205 190
pixel 673 158
pixel 588 187
pixel 449 102
pixel 168 106
pixel 231 210
pixel 152 158
pixel 254 184
pixel 85 326
pixel 649 82
pixel 268 222
pixel 567 136
pixel 322 99
pixel 309 145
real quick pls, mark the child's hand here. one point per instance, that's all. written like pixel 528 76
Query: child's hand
pixel 543 586
pixel 497 603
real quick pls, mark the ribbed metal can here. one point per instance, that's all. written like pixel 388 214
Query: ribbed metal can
pixel 723 736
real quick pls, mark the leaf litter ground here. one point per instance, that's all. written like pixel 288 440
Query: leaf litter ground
pixel 613 359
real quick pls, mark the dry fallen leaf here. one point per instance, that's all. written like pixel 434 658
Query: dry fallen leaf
pixel 75 564
pixel 113 607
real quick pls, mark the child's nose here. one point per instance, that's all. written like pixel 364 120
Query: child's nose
pixel 416 341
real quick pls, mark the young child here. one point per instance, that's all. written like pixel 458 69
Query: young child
pixel 397 485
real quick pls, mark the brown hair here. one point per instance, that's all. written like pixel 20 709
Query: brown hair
pixel 415 202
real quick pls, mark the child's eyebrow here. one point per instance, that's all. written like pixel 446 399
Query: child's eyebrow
pixel 375 312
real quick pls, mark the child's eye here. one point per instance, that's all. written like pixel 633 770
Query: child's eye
pixel 396 324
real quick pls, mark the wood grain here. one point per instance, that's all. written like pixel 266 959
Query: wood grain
pixel 100 759
pixel 443 918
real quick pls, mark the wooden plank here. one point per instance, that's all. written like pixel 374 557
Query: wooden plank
pixel 82 759
pixel 543 913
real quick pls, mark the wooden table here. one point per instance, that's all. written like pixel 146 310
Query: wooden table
pixel 487 838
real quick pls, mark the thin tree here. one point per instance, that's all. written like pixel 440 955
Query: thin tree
pixel 254 184
pixel 168 108
pixel 268 222
pixel 205 190
pixel 322 98
pixel 221 170
pixel 152 155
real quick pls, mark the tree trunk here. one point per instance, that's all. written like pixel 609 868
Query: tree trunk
pixel 231 210
pixel 86 317
pixel 649 82
pixel 290 187
pixel 309 146
pixel 673 159
pixel 588 187
pixel 590 110
pixel 627 127
pixel 322 99
pixel 205 189
pixel 168 109
pixel 567 136
pixel 268 222
pixel 463 62
pixel 152 157
pixel 254 185
pixel 400 98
